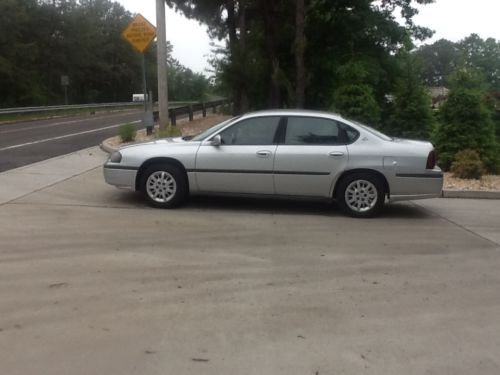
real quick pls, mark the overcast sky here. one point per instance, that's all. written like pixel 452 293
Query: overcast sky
pixel 451 19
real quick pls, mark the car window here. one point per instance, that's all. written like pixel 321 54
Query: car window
pixel 373 131
pixel 253 131
pixel 207 133
pixel 315 131
pixel 352 134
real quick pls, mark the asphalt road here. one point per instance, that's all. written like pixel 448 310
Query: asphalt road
pixel 93 281
pixel 27 142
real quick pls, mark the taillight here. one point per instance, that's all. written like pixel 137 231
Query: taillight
pixel 431 160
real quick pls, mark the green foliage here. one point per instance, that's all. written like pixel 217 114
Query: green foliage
pixel 127 132
pixel 483 55
pixel 184 84
pixel 170 131
pixel 257 65
pixel 438 61
pixel 467 165
pixel 354 98
pixel 466 123
pixel 441 58
pixel 411 115
pixel 42 40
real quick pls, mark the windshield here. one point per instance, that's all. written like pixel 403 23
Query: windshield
pixel 207 133
pixel 373 131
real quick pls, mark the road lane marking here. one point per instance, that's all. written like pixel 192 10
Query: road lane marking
pixel 63 123
pixel 65 136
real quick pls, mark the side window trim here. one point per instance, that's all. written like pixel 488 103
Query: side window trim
pixel 279 136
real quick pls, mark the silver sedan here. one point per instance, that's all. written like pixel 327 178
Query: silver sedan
pixel 281 153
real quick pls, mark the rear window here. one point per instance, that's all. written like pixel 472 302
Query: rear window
pixel 318 131
pixel 373 131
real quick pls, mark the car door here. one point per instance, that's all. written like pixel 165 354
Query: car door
pixel 243 162
pixel 312 151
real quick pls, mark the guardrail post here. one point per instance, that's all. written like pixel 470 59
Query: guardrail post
pixel 204 109
pixel 190 109
pixel 173 119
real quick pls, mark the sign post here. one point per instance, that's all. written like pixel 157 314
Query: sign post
pixel 140 33
pixel 65 84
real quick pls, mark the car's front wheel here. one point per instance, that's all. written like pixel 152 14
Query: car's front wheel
pixel 361 195
pixel 164 186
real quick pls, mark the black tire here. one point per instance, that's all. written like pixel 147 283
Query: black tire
pixel 164 186
pixel 361 194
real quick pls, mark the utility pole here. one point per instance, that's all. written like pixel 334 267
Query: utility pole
pixel 161 43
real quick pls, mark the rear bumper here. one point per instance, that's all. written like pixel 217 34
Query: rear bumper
pixel 416 186
pixel 120 176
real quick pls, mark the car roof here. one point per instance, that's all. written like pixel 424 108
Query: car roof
pixel 294 112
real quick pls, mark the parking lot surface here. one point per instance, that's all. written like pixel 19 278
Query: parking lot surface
pixel 92 281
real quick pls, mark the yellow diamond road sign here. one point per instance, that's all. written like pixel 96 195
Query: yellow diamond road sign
pixel 139 33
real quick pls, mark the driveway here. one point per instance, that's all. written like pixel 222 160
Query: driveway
pixel 92 281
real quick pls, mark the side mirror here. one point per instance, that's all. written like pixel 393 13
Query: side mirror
pixel 216 141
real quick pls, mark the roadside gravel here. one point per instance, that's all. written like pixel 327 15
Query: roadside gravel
pixel 486 183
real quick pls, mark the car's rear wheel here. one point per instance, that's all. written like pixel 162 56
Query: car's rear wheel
pixel 361 195
pixel 164 186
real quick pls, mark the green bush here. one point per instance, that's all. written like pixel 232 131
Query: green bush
pixel 127 132
pixel 170 131
pixel 467 165
pixel 466 123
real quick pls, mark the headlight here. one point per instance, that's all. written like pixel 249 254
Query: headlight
pixel 115 157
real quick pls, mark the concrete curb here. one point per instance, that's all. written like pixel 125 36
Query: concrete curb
pixel 470 194
pixel 106 146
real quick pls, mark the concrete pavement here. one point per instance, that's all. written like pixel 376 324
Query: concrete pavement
pixel 18 182
pixel 92 281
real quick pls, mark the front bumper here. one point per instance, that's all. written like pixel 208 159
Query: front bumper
pixel 120 176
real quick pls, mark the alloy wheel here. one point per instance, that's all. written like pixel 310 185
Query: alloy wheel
pixel 361 195
pixel 161 186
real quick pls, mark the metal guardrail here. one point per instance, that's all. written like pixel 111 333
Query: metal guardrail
pixel 20 110
pixel 190 109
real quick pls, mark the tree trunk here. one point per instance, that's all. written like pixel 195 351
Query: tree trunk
pixel 268 11
pixel 299 54
pixel 233 48
pixel 242 57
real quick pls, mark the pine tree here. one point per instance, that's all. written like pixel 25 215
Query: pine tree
pixel 354 98
pixel 412 115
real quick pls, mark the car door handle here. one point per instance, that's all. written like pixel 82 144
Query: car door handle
pixel 263 154
pixel 336 154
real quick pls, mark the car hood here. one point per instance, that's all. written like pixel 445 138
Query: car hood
pixel 172 141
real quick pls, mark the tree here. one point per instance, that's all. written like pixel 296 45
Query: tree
pixel 483 55
pixel 300 45
pixel 466 121
pixel 354 98
pixel 186 85
pixel 438 61
pixel 81 40
pixel 19 51
pixel 412 116
pixel 441 58
pixel 267 56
